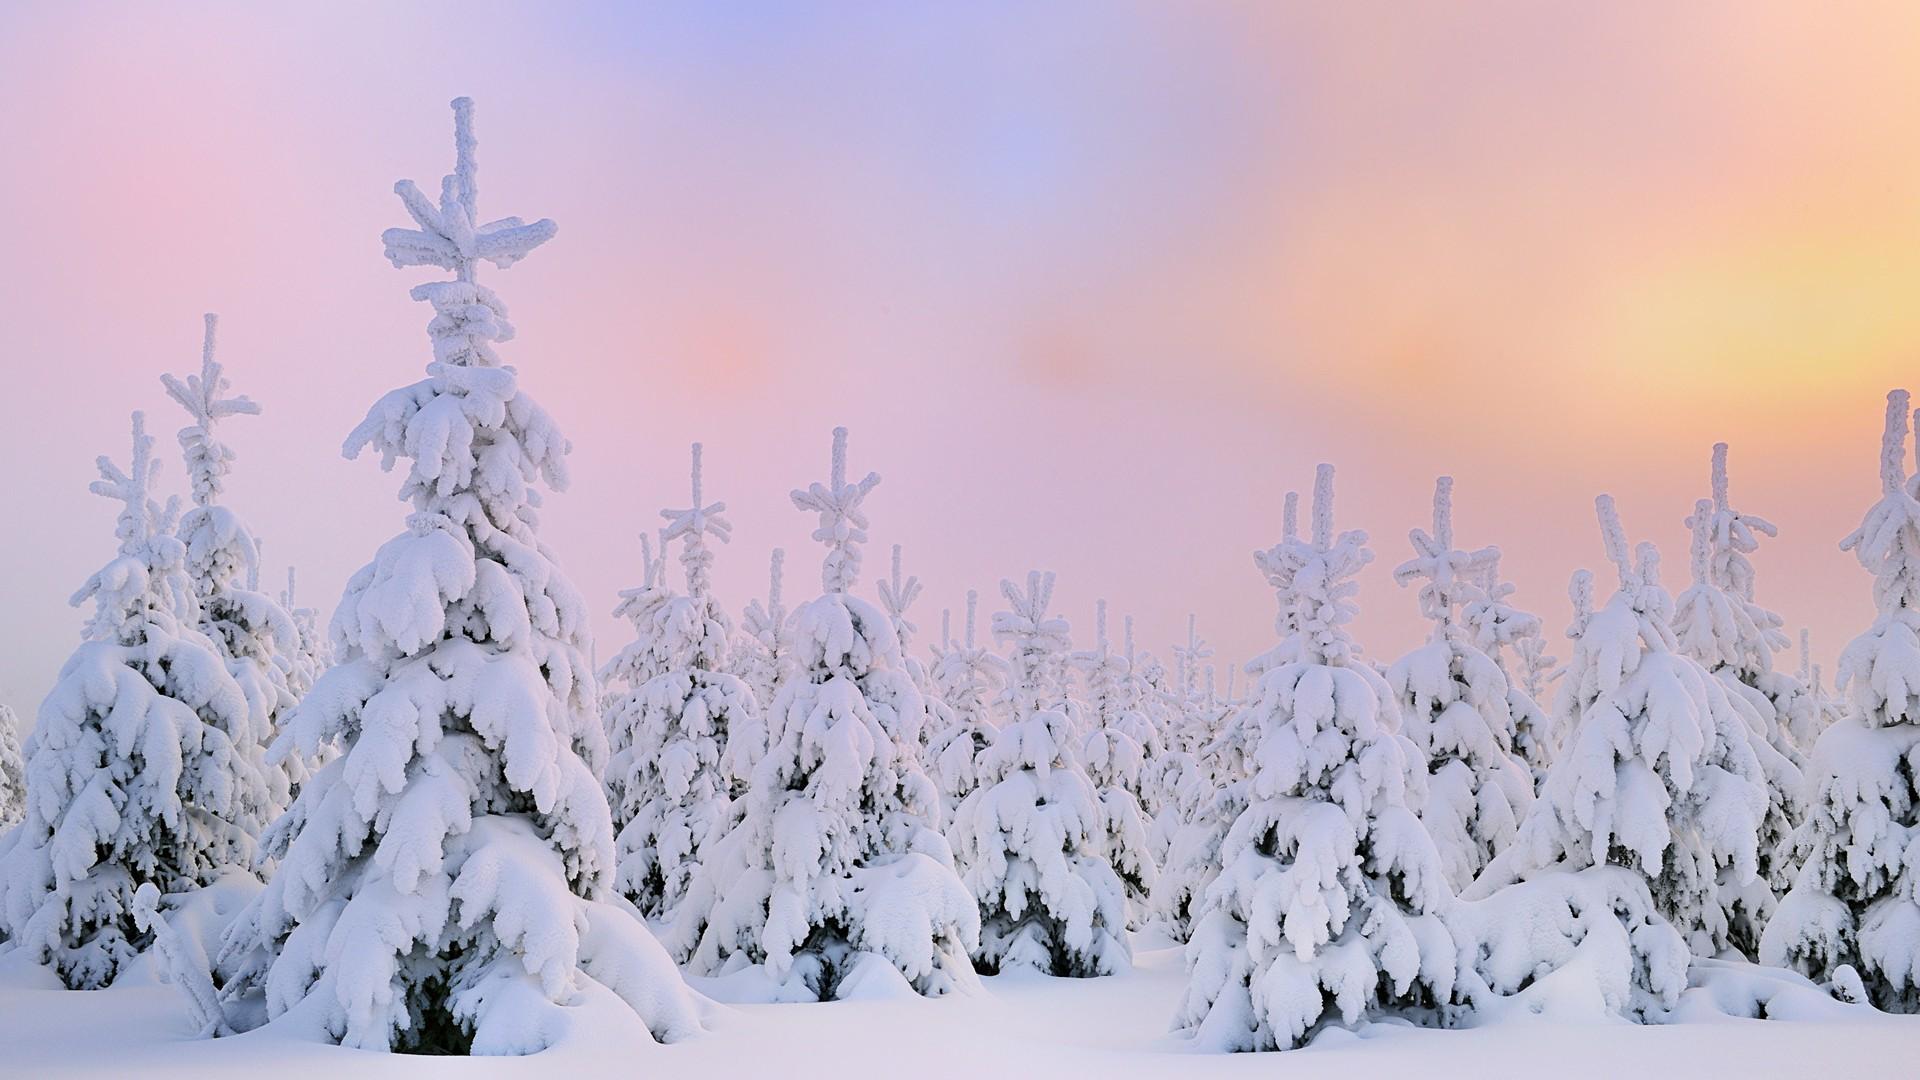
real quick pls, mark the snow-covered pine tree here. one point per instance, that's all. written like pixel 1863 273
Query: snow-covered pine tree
pixel 1455 701
pixel 838 874
pixel 1852 919
pixel 1495 626
pixel 133 772
pixel 897 594
pixel 1115 753
pixel 1653 805
pixel 13 771
pixel 255 634
pixel 968 676
pixel 756 655
pixel 1718 630
pixel 440 881
pixel 682 728
pixel 1327 907
pixel 1030 839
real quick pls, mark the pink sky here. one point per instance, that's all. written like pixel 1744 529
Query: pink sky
pixel 1093 285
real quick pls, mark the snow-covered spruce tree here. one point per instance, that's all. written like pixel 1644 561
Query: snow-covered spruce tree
pixel 1115 754
pixel 1810 723
pixel 1716 629
pixel 968 677
pixel 1326 910
pixel 1652 808
pixel 255 634
pixel 1742 636
pixel 1496 627
pixel 838 875
pixel 897 594
pixel 673 717
pixel 1852 919
pixel 1029 840
pixel 13 771
pixel 756 656
pixel 1455 702
pixel 440 881
pixel 311 653
pixel 1180 778
pixel 134 775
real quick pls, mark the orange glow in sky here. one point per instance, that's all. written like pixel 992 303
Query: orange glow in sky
pixel 1093 284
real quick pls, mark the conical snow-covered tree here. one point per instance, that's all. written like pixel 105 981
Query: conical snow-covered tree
pixel 136 772
pixel 1327 907
pixel 1115 753
pixel 1651 814
pixel 1496 627
pixel 968 677
pixel 1030 839
pixel 838 874
pixel 441 881
pixel 311 653
pixel 1455 702
pixel 1721 626
pixel 897 594
pixel 1717 630
pixel 255 634
pixel 13 771
pixel 1810 723
pixel 1852 919
pixel 683 728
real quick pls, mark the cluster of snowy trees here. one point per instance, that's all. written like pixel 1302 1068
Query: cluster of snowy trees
pixel 449 827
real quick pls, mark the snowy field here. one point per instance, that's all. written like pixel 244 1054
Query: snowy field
pixel 1040 1026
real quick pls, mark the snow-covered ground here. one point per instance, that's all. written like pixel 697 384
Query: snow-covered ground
pixel 1021 1025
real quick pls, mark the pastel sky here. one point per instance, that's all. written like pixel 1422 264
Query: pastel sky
pixel 1093 284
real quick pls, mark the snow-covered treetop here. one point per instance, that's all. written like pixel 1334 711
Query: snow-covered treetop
pixel 1037 642
pixel 843 524
pixel 1313 579
pixel 1887 542
pixel 143 528
pixel 451 235
pixel 1491 619
pixel 897 594
pixel 764 621
pixel 1732 535
pixel 208 459
pixel 694 525
pixel 1187 659
pixel 1451 577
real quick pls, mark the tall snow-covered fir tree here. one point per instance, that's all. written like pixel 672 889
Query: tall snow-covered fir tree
pixel 1327 907
pixel 1030 839
pixel 137 772
pixel 838 874
pixel 255 634
pixel 1716 629
pixel 1852 918
pixel 1498 628
pixel 441 881
pixel 1115 753
pixel 968 677
pixel 1650 817
pixel 683 728
pixel 13 771
pixel 1455 702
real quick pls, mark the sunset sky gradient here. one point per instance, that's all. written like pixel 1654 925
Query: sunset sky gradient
pixel 1093 284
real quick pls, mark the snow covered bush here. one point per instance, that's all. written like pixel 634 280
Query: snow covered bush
pixel 1455 703
pixel 1030 840
pixel 684 730
pixel 441 882
pixel 138 771
pixel 838 862
pixel 1327 907
pixel 255 634
pixel 1657 778
pixel 1852 918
